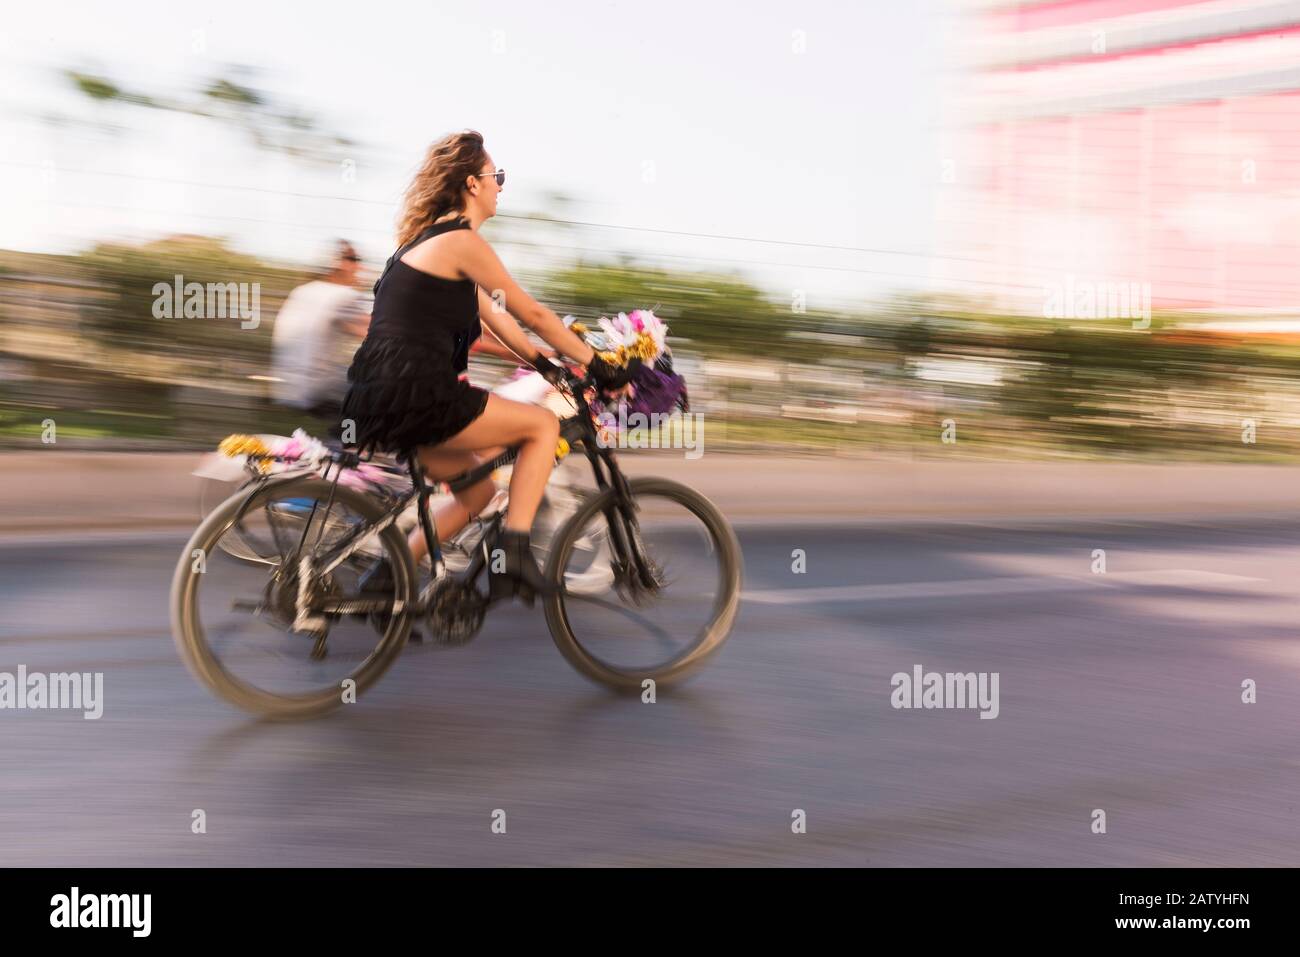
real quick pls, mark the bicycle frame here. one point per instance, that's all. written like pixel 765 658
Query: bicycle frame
pixel 578 429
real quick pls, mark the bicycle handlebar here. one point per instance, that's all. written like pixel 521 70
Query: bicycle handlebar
pixel 580 382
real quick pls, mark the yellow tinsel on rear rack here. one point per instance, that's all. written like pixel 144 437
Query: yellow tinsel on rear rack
pixel 237 444
pixel 234 445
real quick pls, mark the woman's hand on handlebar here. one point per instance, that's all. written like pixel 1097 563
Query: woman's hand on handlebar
pixel 548 368
pixel 611 381
pixel 554 372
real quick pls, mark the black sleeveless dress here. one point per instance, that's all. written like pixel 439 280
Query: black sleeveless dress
pixel 405 380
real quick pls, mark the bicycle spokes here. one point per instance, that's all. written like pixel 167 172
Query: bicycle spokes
pixel 640 593
pixel 293 620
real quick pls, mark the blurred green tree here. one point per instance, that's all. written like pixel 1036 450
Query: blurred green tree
pixel 710 310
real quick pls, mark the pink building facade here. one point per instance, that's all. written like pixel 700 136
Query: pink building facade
pixel 1150 144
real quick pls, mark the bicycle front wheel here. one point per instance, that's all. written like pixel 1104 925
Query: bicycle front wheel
pixel 233 619
pixel 659 616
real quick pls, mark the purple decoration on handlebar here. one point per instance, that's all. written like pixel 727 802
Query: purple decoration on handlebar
pixel 654 392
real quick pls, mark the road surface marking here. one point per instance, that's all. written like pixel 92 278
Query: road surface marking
pixel 1009 585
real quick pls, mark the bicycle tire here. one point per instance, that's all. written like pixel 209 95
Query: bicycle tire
pixel 187 631
pixel 726 603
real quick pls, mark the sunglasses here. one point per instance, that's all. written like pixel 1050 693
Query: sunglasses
pixel 499 174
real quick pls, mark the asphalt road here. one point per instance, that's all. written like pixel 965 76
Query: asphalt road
pixel 1118 691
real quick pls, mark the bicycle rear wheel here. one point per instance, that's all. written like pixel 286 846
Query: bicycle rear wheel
pixel 232 619
pixel 622 633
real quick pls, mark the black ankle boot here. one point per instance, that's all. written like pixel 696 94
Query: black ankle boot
pixel 521 577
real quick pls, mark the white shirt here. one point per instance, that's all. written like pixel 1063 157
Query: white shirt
pixel 311 345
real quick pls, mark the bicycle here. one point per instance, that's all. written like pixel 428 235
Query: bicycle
pixel 220 476
pixel 316 535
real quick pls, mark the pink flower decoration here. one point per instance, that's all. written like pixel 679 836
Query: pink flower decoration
pixel 292 449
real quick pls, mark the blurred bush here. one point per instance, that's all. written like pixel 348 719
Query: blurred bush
pixel 79 343
pixel 121 314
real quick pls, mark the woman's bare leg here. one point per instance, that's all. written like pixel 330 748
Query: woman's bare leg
pixel 535 430
pixel 440 463
pixel 453 516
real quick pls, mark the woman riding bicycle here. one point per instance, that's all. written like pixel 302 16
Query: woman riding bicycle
pixel 406 394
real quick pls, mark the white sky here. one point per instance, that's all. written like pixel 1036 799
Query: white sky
pixel 747 138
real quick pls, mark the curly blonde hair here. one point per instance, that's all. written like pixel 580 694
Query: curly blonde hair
pixel 440 183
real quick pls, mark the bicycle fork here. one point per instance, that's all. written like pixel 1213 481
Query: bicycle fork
pixel 634 570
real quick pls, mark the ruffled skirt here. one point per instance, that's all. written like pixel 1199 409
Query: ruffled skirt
pixel 405 393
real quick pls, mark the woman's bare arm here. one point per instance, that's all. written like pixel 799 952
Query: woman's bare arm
pixel 502 336
pixel 480 263
pixel 487 344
